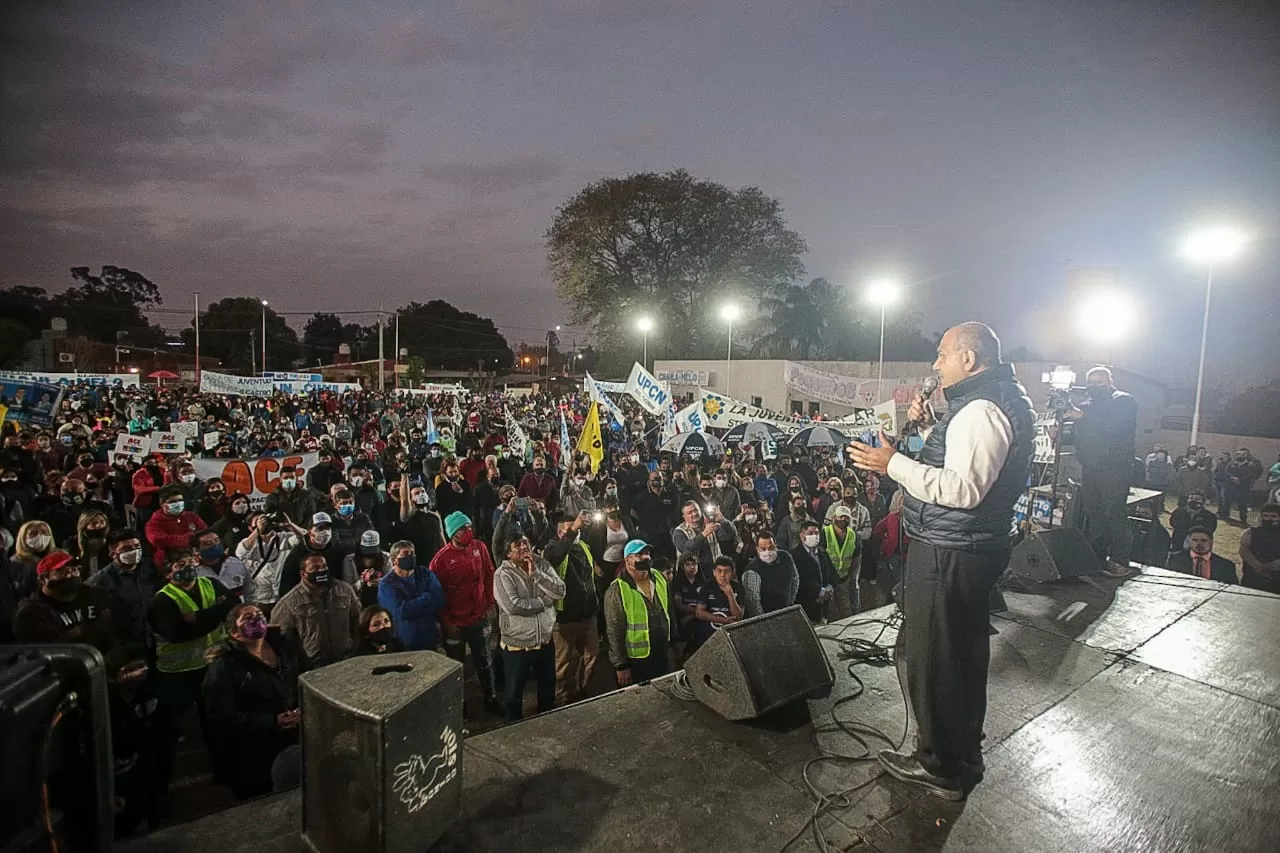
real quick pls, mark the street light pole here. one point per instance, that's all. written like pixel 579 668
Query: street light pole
pixel 264 336
pixel 196 294
pixel 1204 345
pixel 882 292
pixel 880 372
pixel 729 313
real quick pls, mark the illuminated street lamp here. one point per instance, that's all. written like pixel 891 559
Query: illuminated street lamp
pixel 645 325
pixel 729 312
pixel 1210 247
pixel 882 292
pixel 1106 317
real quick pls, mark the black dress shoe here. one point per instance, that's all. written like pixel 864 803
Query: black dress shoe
pixel 906 768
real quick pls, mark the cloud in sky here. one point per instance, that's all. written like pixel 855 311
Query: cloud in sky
pixel 420 149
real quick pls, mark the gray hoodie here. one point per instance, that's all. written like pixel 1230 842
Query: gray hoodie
pixel 526 605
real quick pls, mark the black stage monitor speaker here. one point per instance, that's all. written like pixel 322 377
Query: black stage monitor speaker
pixel 381 752
pixel 1047 555
pixel 751 667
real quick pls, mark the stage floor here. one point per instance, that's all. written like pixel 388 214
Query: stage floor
pixel 1141 715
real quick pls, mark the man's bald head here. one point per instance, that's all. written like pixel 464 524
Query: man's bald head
pixel 966 350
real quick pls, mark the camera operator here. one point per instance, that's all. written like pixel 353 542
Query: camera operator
pixel 1105 445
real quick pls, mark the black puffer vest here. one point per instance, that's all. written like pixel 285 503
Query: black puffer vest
pixel 989 525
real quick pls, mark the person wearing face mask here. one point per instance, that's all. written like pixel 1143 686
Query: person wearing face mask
pixel 418 522
pixel 788 529
pixel 1106 430
pixel 540 485
pixel 376 635
pixel 131 579
pixel 1237 484
pixel 511 469
pixel 725 495
pixel 1260 551
pixel 319 539
pixel 234 526
pixel 320 614
pixel 576 496
pixel 264 551
pixel 367 497
pixel 453 493
pixel 291 497
pixel 365 568
pixel 185 479
pixel 64 512
pixel 465 571
pixel 771 579
pixel 172 525
pixel 216 563
pixel 638 618
pixel 577 637
pixel 1200 560
pixel 89 545
pixel 147 482
pixel 526 590
pixel 251 699
pixel 472 465
pixel 64 610
pixel 326 473
pixel 33 542
pixel 349 523
pixel 1182 519
pixel 843 545
pixel 817 574
pixel 656 511
pixel 211 503
pixel 412 594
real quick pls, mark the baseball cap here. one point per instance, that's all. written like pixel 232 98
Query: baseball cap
pixel 842 512
pixel 370 542
pixel 52 562
pixel 321 519
pixel 636 546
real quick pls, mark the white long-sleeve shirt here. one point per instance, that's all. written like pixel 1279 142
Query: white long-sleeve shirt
pixel 978 442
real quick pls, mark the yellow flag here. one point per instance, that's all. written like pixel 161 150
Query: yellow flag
pixel 590 442
pixel 4 414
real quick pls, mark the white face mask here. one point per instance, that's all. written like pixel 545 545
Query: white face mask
pixel 720 482
pixel 419 498
pixel 768 556
pixel 130 558
pixel 187 479
pixel 811 541
pixel 749 518
pixel 39 542
pixel 321 537
pixel 357 481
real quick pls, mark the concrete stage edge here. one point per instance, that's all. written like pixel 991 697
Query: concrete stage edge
pixel 1141 715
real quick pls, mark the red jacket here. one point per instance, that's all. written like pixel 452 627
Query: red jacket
pixel 893 539
pixel 470 470
pixel 466 574
pixel 144 488
pixel 165 532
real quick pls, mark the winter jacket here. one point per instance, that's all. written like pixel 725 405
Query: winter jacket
pixel 145 487
pixel 413 603
pixel 322 620
pixel 527 605
pixel 242 698
pixel 166 533
pixel 466 576
pixel 134 590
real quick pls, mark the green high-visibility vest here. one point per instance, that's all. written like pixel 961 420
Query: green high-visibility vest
pixel 563 568
pixel 189 654
pixel 841 554
pixel 637 610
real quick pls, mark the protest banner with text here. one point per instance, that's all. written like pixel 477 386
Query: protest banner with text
pixel 256 477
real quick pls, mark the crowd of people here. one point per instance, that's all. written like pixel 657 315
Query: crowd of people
pixel 485 539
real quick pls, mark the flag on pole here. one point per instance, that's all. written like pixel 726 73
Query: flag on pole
pixel 564 440
pixel 433 434
pixel 516 438
pixel 591 442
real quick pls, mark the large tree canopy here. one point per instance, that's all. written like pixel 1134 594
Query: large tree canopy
pixel 673 246
pixel 445 337
pixel 231 331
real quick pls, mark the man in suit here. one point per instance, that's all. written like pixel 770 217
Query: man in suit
pixel 817 574
pixel 1201 561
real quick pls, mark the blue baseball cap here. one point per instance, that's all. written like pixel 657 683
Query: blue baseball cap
pixel 635 546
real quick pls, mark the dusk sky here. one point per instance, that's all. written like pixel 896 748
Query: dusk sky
pixel 344 155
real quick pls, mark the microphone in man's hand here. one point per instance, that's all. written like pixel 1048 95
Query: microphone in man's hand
pixel 926 391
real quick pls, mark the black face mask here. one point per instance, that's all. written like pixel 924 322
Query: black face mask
pixel 383 636
pixel 64 587
pixel 1099 392
pixel 643 565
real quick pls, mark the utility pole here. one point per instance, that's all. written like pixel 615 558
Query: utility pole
pixel 253 365
pixel 382 361
pixel 196 294
pixel 397 372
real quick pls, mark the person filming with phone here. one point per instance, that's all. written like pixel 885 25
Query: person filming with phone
pixel 958 511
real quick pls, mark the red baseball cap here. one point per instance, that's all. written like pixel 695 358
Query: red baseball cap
pixel 53 562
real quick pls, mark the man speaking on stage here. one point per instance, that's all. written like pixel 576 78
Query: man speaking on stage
pixel 958 512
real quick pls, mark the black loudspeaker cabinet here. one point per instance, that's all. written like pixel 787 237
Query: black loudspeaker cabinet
pixel 381 752
pixel 751 667
pixel 1059 552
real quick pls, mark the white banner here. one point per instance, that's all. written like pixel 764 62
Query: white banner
pixel 211 440
pixel 285 376
pixel 847 390
pixel 883 416
pixel 123 380
pixel 136 447
pixel 168 442
pixel 306 387
pixel 434 388
pixel 651 394
pixel 696 378
pixel 189 430
pixel 725 413
pixel 610 387
pixel 244 386
pixel 689 419
pixel 257 477
pixel 598 396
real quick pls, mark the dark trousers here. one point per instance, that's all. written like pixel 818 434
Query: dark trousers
pixel 654 666
pixel 947 650
pixel 518 666
pixel 1105 520
pixel 1234 496
pixel 476 638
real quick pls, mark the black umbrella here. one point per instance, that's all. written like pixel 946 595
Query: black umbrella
pixel 753 431
pixel 694 445
pixel 819 436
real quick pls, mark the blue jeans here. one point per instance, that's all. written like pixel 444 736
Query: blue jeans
pixel 517 667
